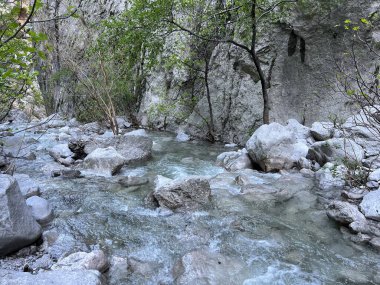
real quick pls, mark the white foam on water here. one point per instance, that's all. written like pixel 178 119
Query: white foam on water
pixel 283 274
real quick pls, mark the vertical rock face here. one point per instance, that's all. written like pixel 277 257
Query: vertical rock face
pixel 303 51
pixel 69 38
pixel 18 228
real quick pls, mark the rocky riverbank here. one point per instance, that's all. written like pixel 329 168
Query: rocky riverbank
pixel 86 207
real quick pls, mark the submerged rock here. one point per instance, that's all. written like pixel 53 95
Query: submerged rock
pixel 58 277
pixel 104 161
pixel 182 137
pixel 18 228
pixel 202 267
pixel 132 181
pixel 185 194
pixel 139 132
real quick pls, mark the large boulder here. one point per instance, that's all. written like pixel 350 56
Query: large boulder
pixel 202 267
pixel 133 148
pixel 57 277
pixel 106 161
pixel 275 147
pixel 370 206
pixel 336 149
pixel 18 228
pixel 184 194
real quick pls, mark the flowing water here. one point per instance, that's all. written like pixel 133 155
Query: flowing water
pixel 289 242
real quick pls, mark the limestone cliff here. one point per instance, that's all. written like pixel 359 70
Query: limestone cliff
pixel 302 50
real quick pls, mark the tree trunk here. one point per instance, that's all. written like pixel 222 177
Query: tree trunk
pixel 211 126
pixel 256 61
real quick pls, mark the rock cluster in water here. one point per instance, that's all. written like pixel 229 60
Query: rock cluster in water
pixel 296 158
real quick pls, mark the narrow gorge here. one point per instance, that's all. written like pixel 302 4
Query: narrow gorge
pixel 189 142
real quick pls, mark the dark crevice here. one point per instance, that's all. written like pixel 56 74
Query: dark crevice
pixel 302 49
pixel 292 44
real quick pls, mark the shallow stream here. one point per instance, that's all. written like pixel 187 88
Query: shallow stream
pixel 289 241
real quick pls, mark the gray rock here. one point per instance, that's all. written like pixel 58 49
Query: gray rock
pixel 41 209
pixel 123 123
pixel 307 172
pixel 304 163
pixel 18 228
pixel 274 147
pixel 344 212
pixel 145 269
pixel 132 148
pixel 62 154
pixel 186 194
pixel 322 131
pixel 160 181
pixel 95 260
pixel 234 160
pixel 73 123
pixel 118 272
pixel 19 146
pixel 374 175
pixel 331 176
pixel 133 181
pixel 375 242
pixel 140 132
pixel 182 137
pixel 106 161
pixel 66 173
pixel 372 162
pixel 92 128
pixel 372 184
pixel 370 206
pixel 58 277
pixel 202 267
pixel 354 194
pixel 365 129
pixel 60 245
pixel 28 187
pixel 60 150
pixel 17 116
pixel 337 149
pixel 301 132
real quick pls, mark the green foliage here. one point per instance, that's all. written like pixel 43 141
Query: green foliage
pixel 17 51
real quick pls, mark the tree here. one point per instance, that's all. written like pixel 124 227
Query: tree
pixel 17 52
pixel 243 23
pixel 358 79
